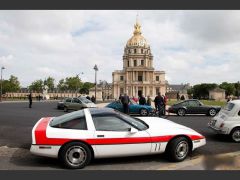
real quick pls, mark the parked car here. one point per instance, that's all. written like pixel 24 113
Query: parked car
pixel 75 138
pixel 60 104
pixel 227 121
pixel 134 108
pixel 77 103
pixel 193 106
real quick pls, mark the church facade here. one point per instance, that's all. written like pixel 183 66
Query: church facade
pixel 138 75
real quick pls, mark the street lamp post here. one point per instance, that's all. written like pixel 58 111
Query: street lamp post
pixel 96 69
pixel 2 68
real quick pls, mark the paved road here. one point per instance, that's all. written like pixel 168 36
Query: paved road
pixel 17 120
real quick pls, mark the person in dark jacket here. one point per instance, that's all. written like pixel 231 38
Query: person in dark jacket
pixel 125 102
pixel 159 104
pixel 30 100
pixel 142 100
pixel 93 99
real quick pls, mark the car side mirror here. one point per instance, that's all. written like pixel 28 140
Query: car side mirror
pixel 133 130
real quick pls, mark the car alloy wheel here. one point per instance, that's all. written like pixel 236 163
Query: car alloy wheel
pixel 236 135
pixel 178 149
pixel 212 112
pixel 75 155
pixel 181 112
pixel 143 112
pixel 182 150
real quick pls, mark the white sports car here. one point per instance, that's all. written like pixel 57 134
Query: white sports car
pixel 75 138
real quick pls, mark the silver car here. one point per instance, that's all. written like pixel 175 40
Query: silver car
pixel 77 104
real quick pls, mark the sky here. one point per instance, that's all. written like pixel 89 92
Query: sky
pixel 190 46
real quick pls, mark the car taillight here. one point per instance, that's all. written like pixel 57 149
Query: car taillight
pixel 221 125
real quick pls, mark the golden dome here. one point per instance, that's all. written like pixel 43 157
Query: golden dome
pixel 137 39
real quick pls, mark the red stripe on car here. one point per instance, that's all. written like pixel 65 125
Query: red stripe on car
pixel 41 138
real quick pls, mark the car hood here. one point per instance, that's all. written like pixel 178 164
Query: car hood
pixel 160 126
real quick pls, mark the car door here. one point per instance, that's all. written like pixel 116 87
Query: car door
pixel 193 107
pixel 75 104
pixel 114 137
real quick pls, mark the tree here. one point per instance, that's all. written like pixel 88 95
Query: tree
pixel 85 87
pixel 36 86
pixel 228 87
pixel 73 83
pixel 61 85
pixel 49 82
pixel 201 91
pixel 237 87
pixel 11 85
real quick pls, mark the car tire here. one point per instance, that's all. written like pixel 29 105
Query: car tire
pixel 178 149
pixel 65 109
pixel 212 112
pixel 143 112
pixel 235 134
pixel 75 155
pixel 181 112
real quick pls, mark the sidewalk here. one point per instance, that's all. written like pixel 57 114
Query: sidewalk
pixel 227 161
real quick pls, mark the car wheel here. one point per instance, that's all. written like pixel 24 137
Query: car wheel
pixel 143 112
pixel 212 112
pixel 181 112
pixel 235 134
pixel 178 149
pixel 75 155
pixel 65 109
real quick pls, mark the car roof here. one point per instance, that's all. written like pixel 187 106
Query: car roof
pixel 97 111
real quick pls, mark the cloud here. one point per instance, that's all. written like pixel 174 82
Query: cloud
pixel 191 46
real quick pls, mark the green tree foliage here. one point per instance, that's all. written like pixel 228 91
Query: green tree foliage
pixel 85 87
pixel 229 88
pixel 36 86
pixel 201 91
pixel 49 82
pixel 70 83
pixel 61 85
pixel 237 87
pixel 11 85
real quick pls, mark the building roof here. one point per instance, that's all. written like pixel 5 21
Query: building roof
pixel 178 87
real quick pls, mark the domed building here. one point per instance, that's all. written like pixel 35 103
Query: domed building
pixel 138 75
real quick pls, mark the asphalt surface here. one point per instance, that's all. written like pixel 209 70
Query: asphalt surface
pixel 17 120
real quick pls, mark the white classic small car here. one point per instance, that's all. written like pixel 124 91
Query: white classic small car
pixel 227 121
pixel 75 138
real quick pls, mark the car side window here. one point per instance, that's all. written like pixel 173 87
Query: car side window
pixel 184 103
pixel 68 100
pixel 78 123
pixel 193 103
pixel 110 123
pixel 76 100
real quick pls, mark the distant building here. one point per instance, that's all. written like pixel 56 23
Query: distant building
pixel 217 94
pixel 173 90
pixel 138 75
pixel 103 91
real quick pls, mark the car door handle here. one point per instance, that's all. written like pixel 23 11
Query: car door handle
pixel 100 135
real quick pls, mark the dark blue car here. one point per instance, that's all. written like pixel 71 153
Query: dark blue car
pixel 134 108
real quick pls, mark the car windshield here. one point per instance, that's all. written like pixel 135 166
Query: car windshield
pixel 85 100
pixel 229 106
pixel 66 117
pixel 137 123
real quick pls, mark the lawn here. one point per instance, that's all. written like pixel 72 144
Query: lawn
pixel 206 102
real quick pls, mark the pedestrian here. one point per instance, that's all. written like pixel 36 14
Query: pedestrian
pixel 88 98
pixel 125 102
pixel 30 100
pixel 93 99
pixel 135 99
pixel 142 100
pixel 120 97
pixel 149 101
pixel 164 104
pixel 159 102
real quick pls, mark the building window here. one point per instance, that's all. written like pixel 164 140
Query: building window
pixel 121 78
pixel 140 78
pixel 157 91
pixel 157 78
pixel 142 62
pixel 128 64
pixel 135 51
pixel 135 62
pixel 142 51
pixel 129 50
pixel 121 90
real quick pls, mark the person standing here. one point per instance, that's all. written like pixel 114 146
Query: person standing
pixel 159 101
pixel 142 100
pixel 125 102
pixel 135 99
pixel 164 104
pixel 30 100
pixel 93 99
pixel 149 101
